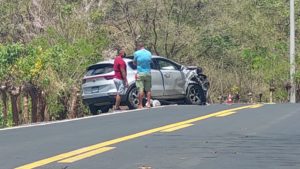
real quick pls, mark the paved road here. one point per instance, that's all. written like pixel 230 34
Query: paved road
pixel 174 137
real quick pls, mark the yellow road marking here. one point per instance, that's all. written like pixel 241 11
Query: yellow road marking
pixel 86 155
pixel 256 106
pixel 125 138
pixel 225 114
pixel 176 128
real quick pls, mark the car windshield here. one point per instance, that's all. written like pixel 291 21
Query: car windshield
pixel 99 69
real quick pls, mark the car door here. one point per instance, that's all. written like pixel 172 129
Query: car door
pixel 173 78
pixel 157 89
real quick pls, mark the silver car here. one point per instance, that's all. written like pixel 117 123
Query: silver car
pixel 171 82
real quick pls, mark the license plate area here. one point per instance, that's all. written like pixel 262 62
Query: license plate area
pixel 95 89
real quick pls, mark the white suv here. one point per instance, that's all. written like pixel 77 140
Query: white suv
pixel 170 82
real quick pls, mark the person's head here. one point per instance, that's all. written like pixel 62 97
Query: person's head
pixel 139 45
pixel 120 51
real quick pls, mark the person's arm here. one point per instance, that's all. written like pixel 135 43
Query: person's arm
pixel 124 74
pixel 134 59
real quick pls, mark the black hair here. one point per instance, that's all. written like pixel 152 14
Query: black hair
pixel 118 50
pixel 140 44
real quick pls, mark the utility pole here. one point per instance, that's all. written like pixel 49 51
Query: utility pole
pixel 292 52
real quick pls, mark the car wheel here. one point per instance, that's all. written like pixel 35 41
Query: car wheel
pixel 94 109
pixel 104 109
pixel 132 98
pixel 195 95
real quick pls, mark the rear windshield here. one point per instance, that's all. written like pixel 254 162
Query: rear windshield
pixel 99 69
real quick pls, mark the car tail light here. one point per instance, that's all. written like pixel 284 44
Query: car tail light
pixel 94 78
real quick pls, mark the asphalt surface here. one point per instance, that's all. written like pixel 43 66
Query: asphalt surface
pixel 266 137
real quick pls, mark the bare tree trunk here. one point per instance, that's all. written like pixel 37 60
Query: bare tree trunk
pixel 25 108
pixel 154 30
pixel 33 108
pixel 47 115
pixel 125 9
pixel 73 103
pixel 4 102
pixel 166 38
pixel 41 105
pixel 14 108
pixel 32 90
pixel 19 104
pixel 271 97
pixel 14 94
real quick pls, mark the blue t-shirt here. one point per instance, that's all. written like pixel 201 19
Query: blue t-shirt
pixel 143 59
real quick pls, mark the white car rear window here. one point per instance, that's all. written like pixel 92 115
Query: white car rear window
pixel 99 69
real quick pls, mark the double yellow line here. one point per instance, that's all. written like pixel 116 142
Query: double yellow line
pixel 89 151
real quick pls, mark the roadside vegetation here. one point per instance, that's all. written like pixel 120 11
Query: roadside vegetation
pixel 45 46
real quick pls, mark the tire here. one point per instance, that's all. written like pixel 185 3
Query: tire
pixel 104 109
pixel 95 109
pixel 132 98
pixel 195 95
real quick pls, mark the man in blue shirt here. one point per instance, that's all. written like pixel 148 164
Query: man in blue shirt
pixel 142 58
